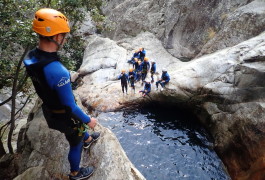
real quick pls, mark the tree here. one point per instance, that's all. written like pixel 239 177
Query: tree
pixel 16 38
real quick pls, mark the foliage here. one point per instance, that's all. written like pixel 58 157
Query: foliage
pixel 98 19
pixel 15 30
pixel 14 34
pixel 16 38
pixel 72 55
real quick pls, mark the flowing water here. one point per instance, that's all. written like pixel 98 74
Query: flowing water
pixel 166 144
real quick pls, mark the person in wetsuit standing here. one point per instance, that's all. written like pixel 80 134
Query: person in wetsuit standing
pixel 124 81
pixel 52 84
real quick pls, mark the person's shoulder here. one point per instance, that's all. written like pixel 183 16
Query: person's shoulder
pixel 57 67
pixel 29 62
pixel 30 59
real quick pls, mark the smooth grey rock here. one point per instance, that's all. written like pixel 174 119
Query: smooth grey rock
pixel 37 172
pixel 186 28
pixel 87 27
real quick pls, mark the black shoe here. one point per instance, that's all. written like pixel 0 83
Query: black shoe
pixel 83 173
pixel 95 137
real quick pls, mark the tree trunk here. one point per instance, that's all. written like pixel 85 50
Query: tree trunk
pixel 13 106
pixel 2 149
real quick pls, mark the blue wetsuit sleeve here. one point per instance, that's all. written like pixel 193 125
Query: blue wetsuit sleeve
pixel 154 68
pixel 58 79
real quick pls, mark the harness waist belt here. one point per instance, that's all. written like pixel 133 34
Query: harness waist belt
pixel 59 111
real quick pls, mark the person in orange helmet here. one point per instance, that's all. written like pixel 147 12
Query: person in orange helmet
pixel 145 68
pixel 51 81
pixel 138 71
pixel 136 54
pixel 124 79
pixel 142 53
pixel 132 78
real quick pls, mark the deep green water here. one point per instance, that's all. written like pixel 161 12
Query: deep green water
pixel 166 144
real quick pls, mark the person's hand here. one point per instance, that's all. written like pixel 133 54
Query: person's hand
pixel 92 123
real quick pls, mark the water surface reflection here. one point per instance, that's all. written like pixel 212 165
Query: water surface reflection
pixel 165 144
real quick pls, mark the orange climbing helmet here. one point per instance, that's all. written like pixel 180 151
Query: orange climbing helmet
pixel 146 58
pixel 131 70
pixel 123 70
pixel 49 22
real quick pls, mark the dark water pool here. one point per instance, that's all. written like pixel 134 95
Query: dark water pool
pixel 165 144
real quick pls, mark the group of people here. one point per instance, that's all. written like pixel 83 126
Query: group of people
pixel 139 71
pixel 141 64
pixel 139 54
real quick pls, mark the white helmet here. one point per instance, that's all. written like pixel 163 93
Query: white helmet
pixel 164 70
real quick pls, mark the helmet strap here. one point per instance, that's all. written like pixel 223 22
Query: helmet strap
pixel 59 45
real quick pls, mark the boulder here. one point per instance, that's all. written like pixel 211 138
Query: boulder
pixel 103 61
pixel 43 153
pixel 37 172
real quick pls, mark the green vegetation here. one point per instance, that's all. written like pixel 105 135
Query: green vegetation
pixel 17 38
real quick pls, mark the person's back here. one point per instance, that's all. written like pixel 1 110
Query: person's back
pixel 132 78
pixel 145 65
pixel 136 54
pixel 41 67
pixel 147 86
pixel 153 68
pixel 142 53
pixel 123 77
pixel 165 76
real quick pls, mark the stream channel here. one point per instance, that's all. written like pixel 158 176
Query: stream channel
pixel 166 144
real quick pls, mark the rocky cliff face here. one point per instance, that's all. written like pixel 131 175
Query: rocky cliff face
pixel 42 154
pixel 225 89
pixel 187 28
